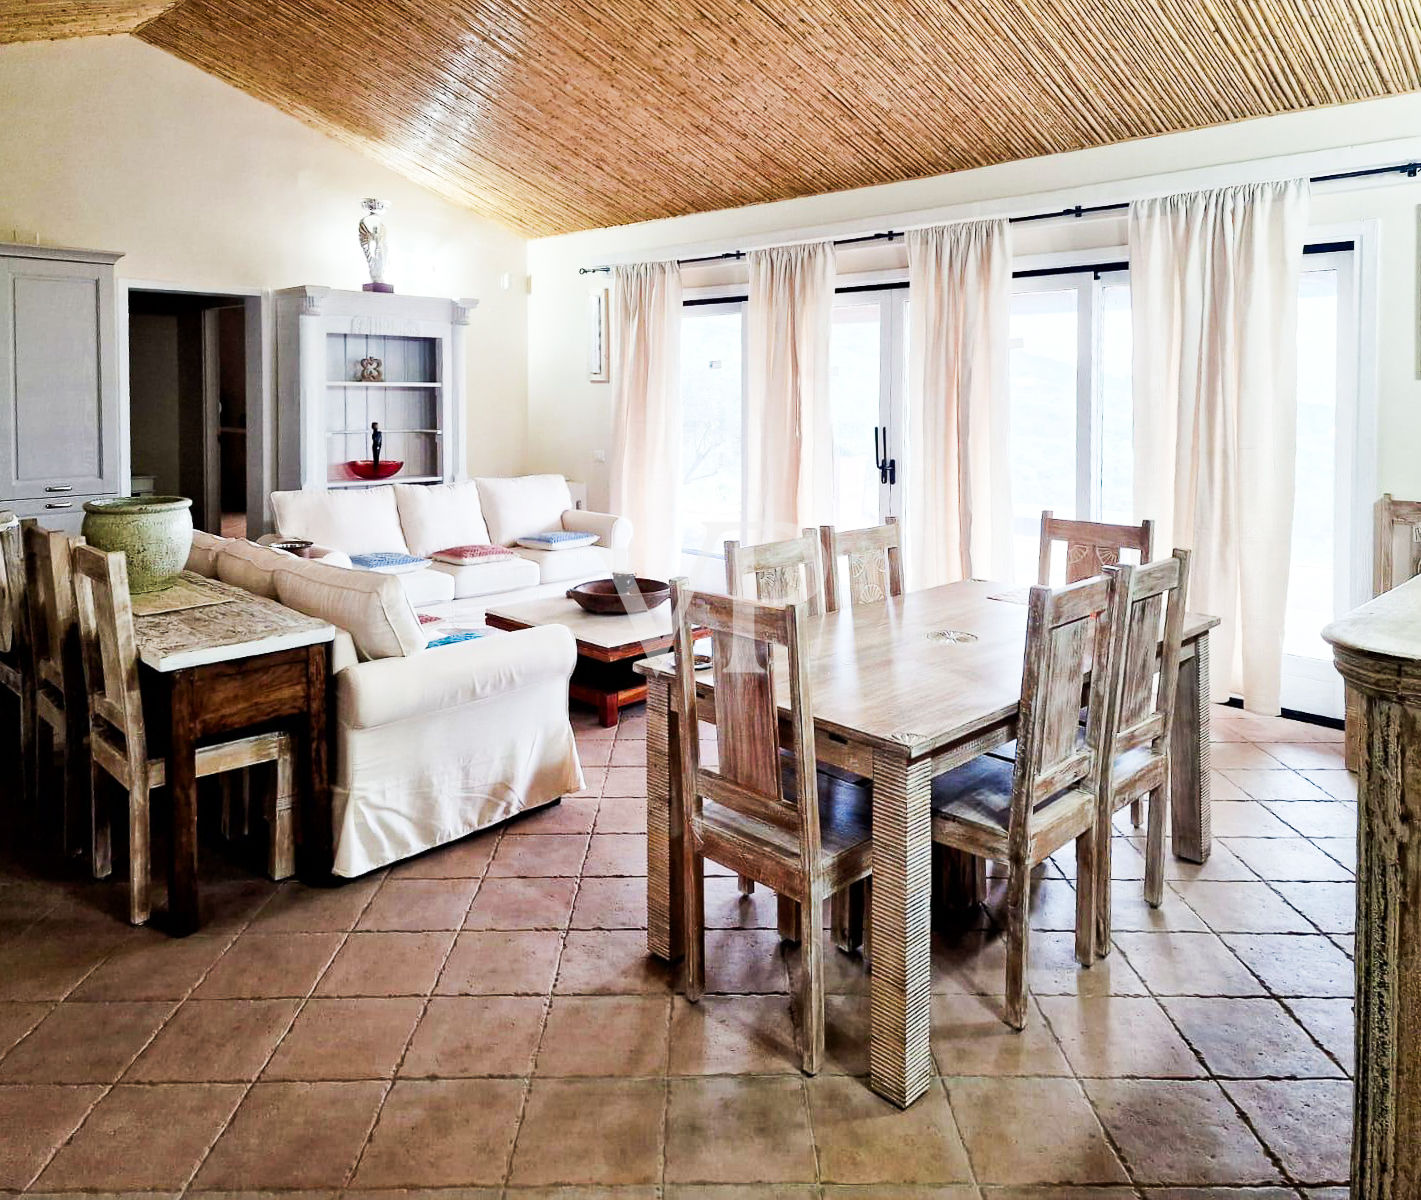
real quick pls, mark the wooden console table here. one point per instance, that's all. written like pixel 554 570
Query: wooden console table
pixel 1378 651
pixel 246 662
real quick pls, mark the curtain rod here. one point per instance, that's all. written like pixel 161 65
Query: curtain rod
pixel 1410 170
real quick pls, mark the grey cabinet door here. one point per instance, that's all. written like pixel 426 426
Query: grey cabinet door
pixel 58 379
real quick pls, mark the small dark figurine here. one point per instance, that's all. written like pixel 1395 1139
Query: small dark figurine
pixel 377 440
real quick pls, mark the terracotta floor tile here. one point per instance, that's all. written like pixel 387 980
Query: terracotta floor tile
pixel 1306 1123
pixel 1230 906
pixel 1247 818
pixel 733 1035
pixel 571 815
pixel 976 962
pixel 1247 1039
pixel 346 1039
pixel 51 957
pixel 765 1119
pixel 417 905
pixel 610 962
pixel 616 854
pixel 468 858
pixel 591 1131
pixel 292 1135
pixel 1340 785
pixel 153 966
pixel 1302 756
pixel 593 779
pixel 499 963
pixel 605 1035
pixel 1320 818
pixel 1333 1023
pixel 1276 784
pixel 860 1141
pixel 1284 729
pixel 1291 858
pixel 540 854
pixel 1055 1135
pixel 1231 755
pixel 770 1191
pixel 387 964
pixel 625 781
pixel 621 814
pixel 629 753
pixel 1119 1035
pixel 745 961
pixel 596 753
pixel 214 1040
pixel 969 1037
pixel 1295 966
pixel 443 1133
pixel 1179 1132
pixel 1130 914
pixel 37 1119
pixel 610 904
pixel 520 902
pixel 1223 864
pixel 16 1020
pixel 1187 964
pixel 143 1137
pixel 297 908
pixel 462 1036
pixel 726 908
pixel 1341 850
pixel 264 965
pixel 85 1043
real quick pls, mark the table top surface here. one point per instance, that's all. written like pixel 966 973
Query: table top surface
pixel 1388 626
pixel 628 632
pixel 920 671
pixel 242 626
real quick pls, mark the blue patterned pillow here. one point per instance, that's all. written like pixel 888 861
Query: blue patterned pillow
pixel 388 562
pixel 558 539
pixel 450 639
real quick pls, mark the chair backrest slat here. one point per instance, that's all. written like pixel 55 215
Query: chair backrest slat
pixel 1395 558
pixel 874 558
pixel 48 555
pixel 14 600
pixel 790 570
pixel 1091 546
pixel 110 650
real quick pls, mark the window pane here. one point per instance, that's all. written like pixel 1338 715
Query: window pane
pixel 712 374
pixel 1116 484
pixel 1043 417
pixel 855 361
pixel 1311 599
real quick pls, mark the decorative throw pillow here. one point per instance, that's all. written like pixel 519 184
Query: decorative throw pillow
pixel 463 556
pixel 388 562
pixel 558 539
pixel 458 635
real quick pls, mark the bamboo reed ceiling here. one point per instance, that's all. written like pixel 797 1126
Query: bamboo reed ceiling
pixel 31 20
pixel 557 115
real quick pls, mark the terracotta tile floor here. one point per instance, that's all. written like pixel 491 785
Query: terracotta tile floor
pixel 485 1019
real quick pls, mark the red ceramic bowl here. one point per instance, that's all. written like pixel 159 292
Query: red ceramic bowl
pixel 364 468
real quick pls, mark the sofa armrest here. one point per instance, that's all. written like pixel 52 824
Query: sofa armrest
pixel 614 531
pixel 372 694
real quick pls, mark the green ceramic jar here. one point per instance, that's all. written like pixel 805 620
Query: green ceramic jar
pixel 154 532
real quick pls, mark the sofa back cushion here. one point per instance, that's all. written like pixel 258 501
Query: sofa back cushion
pixel 371 607
pixel 252 567
pixel 437 516
pixel 202 557
pixel 356 520
pixel 525 504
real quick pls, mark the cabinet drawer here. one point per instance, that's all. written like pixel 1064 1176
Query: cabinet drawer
pixel 63 512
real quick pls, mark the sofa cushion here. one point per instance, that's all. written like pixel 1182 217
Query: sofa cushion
pixel 371 607
pixel 464 556
pixel 517 507
pixel 252 567
pixel 388 562
pixel 356 520
pixel 509 574
pixel 558 539
pixel 563 566
pixel 436 516
pixel 427 587
pixel 202 557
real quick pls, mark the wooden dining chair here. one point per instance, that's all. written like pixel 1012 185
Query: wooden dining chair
pixel 1148 605
pixel 802 833
pixel 1021 812
pixel 119 738
pixel 16 657
pixel 1091 546
pixel 874 557
pixel 61 724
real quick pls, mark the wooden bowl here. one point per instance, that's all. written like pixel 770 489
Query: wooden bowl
pixel 601 596
pixel 364 468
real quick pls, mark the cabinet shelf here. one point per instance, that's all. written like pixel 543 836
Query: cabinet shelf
pixel 357 383
pixel 366 432
pixel 365 483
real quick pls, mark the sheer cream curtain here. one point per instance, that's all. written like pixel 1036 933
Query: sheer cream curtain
pixel 789 436
pixel 646 442
pixel 1214 292
pixel 958 514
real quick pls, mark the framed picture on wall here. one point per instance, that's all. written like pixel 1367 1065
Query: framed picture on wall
pixel 599 353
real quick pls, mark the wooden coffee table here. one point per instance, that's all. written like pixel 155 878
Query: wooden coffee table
pixel 607 648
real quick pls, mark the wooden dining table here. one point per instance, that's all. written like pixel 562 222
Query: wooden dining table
pixel 233 663
pixel 905 691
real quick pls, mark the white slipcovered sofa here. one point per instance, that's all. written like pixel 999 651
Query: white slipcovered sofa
pixel 422 519
pixel 430 742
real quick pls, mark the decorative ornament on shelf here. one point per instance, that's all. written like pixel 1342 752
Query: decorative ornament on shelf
pixel 372 242
pixel 374 467
pixel 372 370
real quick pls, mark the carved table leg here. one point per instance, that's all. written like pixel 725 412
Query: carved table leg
pixel 1191 821
pixel 663 823
pixel 900 1063
pixel 183 912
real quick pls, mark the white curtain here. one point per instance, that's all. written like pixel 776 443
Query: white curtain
pixel 958 515
pixel 1214 287
pixel 789 438
pixel 646 445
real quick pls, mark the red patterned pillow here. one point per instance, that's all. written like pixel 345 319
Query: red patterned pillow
pixel 427 618
pixel 462 556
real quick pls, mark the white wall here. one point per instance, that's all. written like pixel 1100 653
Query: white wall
pixel 569 418
pixel 111 144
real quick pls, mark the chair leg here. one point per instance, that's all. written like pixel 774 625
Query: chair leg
pixel 27 752
pixel 868 925
pixel 846 916
pixel 694 925
pixel 1154 846
pixel 1087 880
pixel 139 900
pixel 790 920
pixel 811 994
pixel 102 828
pixel 747 886
pixel 280 817
pixel 1018 924
pixel 1137 816
pixel 1103 848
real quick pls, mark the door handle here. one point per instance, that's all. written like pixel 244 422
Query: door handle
pixel 60 487
pixel 887 467
pixel 60 504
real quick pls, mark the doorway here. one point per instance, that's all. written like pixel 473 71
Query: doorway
pixel 188 405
